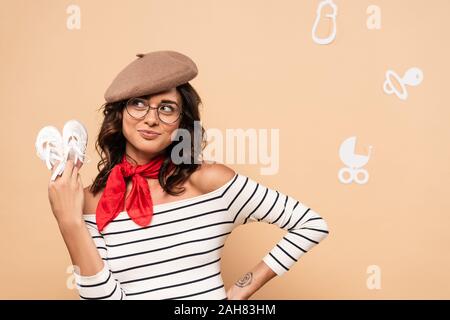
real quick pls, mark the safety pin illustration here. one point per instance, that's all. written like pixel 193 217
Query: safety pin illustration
pixel 353 162
pixel 332 15
pixel 412 77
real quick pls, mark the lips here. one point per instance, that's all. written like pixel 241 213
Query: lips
pixel 148 134
pixel 149 131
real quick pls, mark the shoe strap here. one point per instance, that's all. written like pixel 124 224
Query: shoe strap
pixel 51 155
pixel 79 154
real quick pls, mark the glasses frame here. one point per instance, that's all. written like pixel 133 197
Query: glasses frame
pixel 148 110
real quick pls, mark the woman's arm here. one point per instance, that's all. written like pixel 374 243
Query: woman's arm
pixel 93 277
pixel 99 283
pixel 82 249
pixel 248 201
pixel 66 196
pixel 251 282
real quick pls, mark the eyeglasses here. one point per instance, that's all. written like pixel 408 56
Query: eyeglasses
pixel 167 112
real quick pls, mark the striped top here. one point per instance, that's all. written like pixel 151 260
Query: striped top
pixel 178 255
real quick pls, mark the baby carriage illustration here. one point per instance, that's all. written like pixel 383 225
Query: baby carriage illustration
pixel 353 162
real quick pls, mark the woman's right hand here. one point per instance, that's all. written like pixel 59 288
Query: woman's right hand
pixel 66 195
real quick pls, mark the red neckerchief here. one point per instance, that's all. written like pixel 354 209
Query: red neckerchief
pixel 139 204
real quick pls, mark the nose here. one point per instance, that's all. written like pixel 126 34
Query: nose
pixel 152 116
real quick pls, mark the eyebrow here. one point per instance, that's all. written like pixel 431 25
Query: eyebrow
pixel 169 101
pixel 162 101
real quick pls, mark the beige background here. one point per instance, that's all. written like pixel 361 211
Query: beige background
pixel 258 68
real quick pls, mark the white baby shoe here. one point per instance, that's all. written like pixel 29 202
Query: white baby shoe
pixel 75 138
pixel 52 147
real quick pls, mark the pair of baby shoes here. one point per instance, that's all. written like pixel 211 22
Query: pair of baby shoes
pixel 51 146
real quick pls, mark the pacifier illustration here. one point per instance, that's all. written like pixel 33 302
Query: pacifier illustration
pixel 412 77
pixel 323 6
pixel 353 162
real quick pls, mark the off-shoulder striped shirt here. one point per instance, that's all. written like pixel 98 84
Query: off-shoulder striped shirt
pixel 178 255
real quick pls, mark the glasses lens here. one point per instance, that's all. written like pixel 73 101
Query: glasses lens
pixel 137 108
pixel 168 113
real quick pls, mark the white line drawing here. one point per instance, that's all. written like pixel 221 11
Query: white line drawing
pixel 373 281
pixel 374 20
pixel 73 21
pixel 412 77
pixel 353 162
pixel 70 281
pixel 322 5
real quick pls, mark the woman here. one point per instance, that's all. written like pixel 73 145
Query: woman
pixel 150 227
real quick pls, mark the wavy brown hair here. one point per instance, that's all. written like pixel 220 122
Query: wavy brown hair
pixel 110 144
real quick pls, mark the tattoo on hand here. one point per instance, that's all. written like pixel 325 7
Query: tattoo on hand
pixel 245 280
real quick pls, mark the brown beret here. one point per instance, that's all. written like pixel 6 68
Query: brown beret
pixel 151 73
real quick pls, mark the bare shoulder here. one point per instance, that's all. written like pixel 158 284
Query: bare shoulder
pixel 90 201
pixel 211 176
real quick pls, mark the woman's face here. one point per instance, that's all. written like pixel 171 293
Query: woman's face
pixel 141 147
